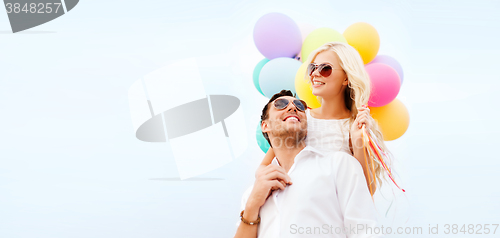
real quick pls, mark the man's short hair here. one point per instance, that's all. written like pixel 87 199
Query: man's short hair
pixel 265 110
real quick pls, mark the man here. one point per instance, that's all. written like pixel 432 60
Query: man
pixel 328 196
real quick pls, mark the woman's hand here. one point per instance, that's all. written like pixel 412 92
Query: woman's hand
pixel 363 118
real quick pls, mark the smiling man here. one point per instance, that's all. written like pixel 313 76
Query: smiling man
pixel 304 192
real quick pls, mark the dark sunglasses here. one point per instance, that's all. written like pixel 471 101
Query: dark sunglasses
pixel 324 69
pixel 282 103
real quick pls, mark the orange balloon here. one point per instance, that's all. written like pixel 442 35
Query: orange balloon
pixel 393 119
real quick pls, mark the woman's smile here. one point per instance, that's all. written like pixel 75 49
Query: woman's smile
pixel 316 83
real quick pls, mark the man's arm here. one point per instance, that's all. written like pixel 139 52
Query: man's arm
pixel 251 214
pixel 270 179
pixel 355 201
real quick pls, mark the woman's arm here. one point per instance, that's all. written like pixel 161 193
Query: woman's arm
pixel 266 161
pixel 358 145
pixel 359 154
pixel 269 157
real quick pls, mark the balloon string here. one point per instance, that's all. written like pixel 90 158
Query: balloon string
pixel 385 166
pixel 366 162
pixel 374 152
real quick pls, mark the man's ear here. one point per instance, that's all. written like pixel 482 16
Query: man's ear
pixel 264 126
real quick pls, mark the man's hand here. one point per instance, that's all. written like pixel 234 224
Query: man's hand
pixel 268 179
pixel 261 170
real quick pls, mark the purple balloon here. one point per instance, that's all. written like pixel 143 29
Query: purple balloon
pixel 385 59
pixel 277 35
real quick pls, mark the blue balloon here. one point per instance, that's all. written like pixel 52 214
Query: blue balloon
pixel 261 141
pixel 256 73
pixel 278 74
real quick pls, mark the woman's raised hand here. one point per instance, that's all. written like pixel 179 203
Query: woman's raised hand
pixel 363 117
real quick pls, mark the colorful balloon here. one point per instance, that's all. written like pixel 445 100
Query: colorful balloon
pixel 393 119
pixel 388 60
pixel 318 38
pixel 256 73
pixel 303 88
pixel 305 29
pixel 364 38
pixel 385 84
pixel 278 74
pixel 277 35
pixel 261 141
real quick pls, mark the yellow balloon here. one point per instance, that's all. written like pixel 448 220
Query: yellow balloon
pixel 364 38
pixel 317 38
pixel 393 119
pixel 303 88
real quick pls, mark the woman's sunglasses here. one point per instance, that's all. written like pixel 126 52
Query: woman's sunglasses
pixel 282 103
pixel 323 69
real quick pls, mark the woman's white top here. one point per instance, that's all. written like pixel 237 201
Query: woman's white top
pixel 328 135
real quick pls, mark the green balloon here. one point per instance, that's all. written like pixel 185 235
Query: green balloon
pixel 256 73
pixel 317 38
pixel 261 141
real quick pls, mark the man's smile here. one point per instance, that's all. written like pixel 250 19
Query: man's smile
pixel 292 118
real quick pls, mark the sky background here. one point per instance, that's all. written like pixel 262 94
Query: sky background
pixel 70 165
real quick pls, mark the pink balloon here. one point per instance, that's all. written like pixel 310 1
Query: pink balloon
pixel 385 84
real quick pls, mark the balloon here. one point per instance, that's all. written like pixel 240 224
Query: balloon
pixel 278 74
pixel 277 35
pixel 305 29
pixel 385 59
pixel 393 119
pixel 261 141
pixel 256 73
pixel 318 38
pixel 364 38
pixel 303 88
pixel 385 84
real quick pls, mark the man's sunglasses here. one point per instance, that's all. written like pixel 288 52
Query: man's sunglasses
pixel 282 103
pixel 324 69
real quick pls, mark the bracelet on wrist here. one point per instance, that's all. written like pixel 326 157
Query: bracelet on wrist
pixel 249 222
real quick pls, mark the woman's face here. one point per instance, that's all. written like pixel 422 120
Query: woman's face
pixel 332 85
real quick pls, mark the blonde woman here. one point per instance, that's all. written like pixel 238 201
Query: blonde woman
pixel 338 78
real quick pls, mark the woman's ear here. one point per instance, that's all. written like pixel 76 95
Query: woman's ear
pixel 346 81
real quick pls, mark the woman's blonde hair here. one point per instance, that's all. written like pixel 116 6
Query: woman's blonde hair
pixel 357 92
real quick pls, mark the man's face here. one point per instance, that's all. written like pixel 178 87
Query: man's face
pixel 286 125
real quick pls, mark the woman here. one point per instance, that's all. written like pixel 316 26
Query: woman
pixel 339 80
